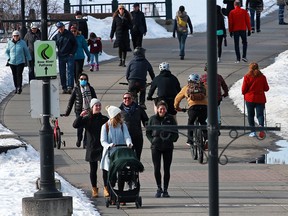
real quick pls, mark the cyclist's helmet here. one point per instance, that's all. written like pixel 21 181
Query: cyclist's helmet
pixel 139 51
pixel 193 78
pixel 164 66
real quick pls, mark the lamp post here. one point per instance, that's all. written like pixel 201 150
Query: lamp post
pixel 213 126
pixel 23 28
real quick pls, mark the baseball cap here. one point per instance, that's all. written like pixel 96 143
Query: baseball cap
pixel 59 24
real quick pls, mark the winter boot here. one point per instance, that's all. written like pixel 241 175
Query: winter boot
pixel 92 68
pixel 120 63
pixel 97 67
pixel 106 192
pixel 123 63
pixel 94 192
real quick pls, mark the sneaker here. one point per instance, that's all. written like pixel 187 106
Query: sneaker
pixel 78 144
pixel 182 57
pixel 258 30
pixel 165 194
pixel 69 91
pixel 218 59
pixel 19 91
pixel 158 193
pixel 252 134
pixel 237 62
pixel 262 134
pixel 244 60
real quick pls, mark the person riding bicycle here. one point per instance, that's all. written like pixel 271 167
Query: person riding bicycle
pixel 136 74
pixel 195 93
pixel 167 86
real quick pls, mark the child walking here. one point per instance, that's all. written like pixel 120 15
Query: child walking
pixel 95 50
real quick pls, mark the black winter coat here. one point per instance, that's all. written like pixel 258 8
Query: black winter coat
pixel 154 135
pixel 137 69
pixel 66 43
pixel 76 99
pixel 167 84
pixel 255 4
pixel 139 22
pixel 121 27
pixel 92 123
pixel 133 121
pixel 30 38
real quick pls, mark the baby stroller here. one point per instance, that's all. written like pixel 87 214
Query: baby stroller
pixel 123 176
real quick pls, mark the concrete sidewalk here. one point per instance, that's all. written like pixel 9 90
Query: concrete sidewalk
pixel 244 188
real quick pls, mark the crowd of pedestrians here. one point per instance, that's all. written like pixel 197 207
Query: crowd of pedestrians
pixel 124 123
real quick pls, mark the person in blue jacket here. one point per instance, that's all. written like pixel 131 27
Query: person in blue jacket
pixel 79 57
pixel 18 55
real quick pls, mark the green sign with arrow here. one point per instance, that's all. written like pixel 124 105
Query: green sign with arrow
pixel 45 59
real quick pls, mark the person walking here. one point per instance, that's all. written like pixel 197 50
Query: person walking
pixel 67 46
pixel 136 74
pixel 254 87
pixel 255 6
pixel 80 98
pixel 281 4
pixel 113 132
pixel 162 148
pixel 230 6
pixel 121 25
pixel 139 28
pixel 80 24
pixel 195 92
pixel 133 116
pixel 95 45
pixel 239 23
pixel 221 85
pixel 17 54
pixel 180 26
pixel 221 31
pixel 92 121
pixel 31 36
pixel 79 56
pixel 163 83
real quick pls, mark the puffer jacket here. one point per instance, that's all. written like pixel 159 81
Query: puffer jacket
pixel 17 52
pixel 254 88
pixel 154 136
pixel 76 99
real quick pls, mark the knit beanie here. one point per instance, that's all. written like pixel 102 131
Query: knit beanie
pixel 112 111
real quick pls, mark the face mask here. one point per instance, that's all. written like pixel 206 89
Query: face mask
pixel 83 82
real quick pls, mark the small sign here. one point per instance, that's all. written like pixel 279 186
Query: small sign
pixel 45 59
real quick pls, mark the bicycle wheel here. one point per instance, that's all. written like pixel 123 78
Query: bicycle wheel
pixel 200 143
pixel 58 138
pixel 194 153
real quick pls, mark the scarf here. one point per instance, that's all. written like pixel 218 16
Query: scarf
pixel 130 109
pixel 86 96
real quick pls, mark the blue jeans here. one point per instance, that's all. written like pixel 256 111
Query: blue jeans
pixel 281 13
pixel 243 36
pixel 259 107
pixel 94 58
pixel 182 39
pixel 252 18
pixel 69 60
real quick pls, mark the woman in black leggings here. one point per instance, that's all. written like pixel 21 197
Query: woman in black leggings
pixel 162 146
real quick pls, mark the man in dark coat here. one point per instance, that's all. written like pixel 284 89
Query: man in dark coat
pixel 136 74
pixel 139 26
pixel 167 86
pixel 31 36
pixel 230 6
pixel 133 116
pixel 80 24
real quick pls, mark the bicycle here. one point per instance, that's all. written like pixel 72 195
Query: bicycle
pixel 57 133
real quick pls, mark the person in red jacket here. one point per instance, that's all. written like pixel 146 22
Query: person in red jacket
pixel 95 45
pixel 239 23
pixel 253 88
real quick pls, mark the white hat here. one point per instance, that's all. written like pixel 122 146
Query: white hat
pixel 15 33
pixel 112 111
pixel 94 101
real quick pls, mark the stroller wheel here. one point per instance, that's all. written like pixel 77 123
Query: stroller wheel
pixel 107 203
pixel 117 205
pixel 138 202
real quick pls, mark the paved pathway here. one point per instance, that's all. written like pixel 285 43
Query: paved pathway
pixel 244 188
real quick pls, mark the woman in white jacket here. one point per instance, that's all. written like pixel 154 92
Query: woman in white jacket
pixel 113 132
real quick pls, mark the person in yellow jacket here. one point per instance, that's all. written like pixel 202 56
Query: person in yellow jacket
pixel 195 93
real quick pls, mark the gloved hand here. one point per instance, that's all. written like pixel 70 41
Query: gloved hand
pixel 249 33
pixel 231 34
pixel 130 145
pixel 173 34
pixel 149 98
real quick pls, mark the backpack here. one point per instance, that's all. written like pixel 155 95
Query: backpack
pixel 196 91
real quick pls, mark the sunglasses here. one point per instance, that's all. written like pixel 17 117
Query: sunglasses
pixel 121 8
pixel 15 35
pixel 126 98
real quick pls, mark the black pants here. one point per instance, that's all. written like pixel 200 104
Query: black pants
pixel 137 145
pixel 17 72
pixel 78 68
pixel 194 112
pixel 167 160
pixel 243 36
pixel 137 39
pixel 219 44
pixel 135 86
pixel 31 70
pixel 93 173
